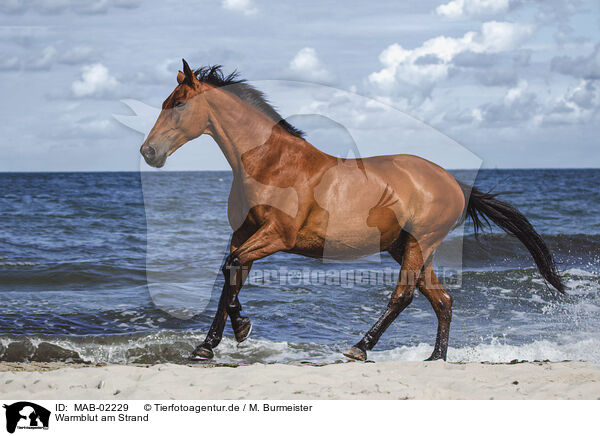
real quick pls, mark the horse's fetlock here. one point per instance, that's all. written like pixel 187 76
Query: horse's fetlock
pixel 231 265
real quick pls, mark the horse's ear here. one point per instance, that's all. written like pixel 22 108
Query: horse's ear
pixel 180 77
pixel 188 73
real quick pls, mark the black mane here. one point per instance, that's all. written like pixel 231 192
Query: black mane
pixel 213 75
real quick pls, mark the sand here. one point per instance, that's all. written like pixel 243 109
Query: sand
pixel 352 380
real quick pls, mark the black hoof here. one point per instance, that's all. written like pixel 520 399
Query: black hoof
pixel 435 356
pixel 356 354
pixel 243 330
pixel 202 352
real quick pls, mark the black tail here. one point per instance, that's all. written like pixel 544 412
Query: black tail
pixel 482 206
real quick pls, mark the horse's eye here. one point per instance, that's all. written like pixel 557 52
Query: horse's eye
pixel 179 103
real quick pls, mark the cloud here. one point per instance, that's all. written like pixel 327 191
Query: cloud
pixel 52 7
pixel 428 59
pixel 497 77
pixel 77 55
pixel 402 67
pixel 45 59
pixel 306 65
pixel 25 36
pixel 491 69
pixel 581 103
pixel 470 59
pixel 244 6
pixel 460 9
pixel 585 95
pixel 43 62
pixel 576 105
pixel 13 6
pixel 95 81
pixel 518 106
pixel 586 67
pixel 127 4
pixel 73 126
pixel 9 63
pixel 164 71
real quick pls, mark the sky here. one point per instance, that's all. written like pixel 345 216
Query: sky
pixel 496 83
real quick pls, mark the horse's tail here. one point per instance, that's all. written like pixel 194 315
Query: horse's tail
pixel 481 206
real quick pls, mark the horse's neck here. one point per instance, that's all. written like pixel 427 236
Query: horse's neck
pixel 236 126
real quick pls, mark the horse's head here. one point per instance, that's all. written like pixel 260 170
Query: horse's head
pixel 184 116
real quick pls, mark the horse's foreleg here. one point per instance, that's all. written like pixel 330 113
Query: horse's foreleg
pixel 241 324
pixel 441 301
pixel 229 304
pixel 215 333
pixel 401 298
pixel 264 242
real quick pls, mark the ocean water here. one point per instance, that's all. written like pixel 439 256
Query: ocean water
pixel 123 267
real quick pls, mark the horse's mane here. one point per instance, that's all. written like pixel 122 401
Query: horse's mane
pixel 213 75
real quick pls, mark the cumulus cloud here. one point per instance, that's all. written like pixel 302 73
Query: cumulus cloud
pixel 497 77
pixel 306 65
pixel 491 69
pixel 576 105
pixel 471 59
pixel 586 67
pixel 581 102
pixel 95 81
pixel 459 9
pixel 585 95
pixel 518 106
pixel 407 66
pixel 246 7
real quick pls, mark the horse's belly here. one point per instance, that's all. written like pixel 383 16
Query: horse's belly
pixel 336 243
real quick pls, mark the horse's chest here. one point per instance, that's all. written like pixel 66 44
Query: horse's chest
pixel 252 198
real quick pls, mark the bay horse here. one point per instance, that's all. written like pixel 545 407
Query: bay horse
pixel 289 196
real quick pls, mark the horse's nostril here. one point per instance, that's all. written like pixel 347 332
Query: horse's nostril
pixel 148 152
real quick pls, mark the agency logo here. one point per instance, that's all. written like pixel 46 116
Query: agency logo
pixel 26 415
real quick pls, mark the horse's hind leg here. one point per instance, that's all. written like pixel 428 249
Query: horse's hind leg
pixel 412 264
pixel 441 301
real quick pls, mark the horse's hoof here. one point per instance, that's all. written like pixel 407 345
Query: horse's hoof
pixel 242 333
pixel 435 356
pixel 202 353
pixel 356 354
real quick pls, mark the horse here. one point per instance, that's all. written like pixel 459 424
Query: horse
pixel 288 196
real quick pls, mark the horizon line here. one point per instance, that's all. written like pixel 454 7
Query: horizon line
pixel 229 170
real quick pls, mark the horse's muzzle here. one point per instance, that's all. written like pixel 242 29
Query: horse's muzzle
pixel 150 156
pixel 148 152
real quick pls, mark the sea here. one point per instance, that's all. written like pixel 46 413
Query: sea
pixel 124 268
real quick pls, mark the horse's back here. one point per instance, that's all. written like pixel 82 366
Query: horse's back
pixel 364 204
